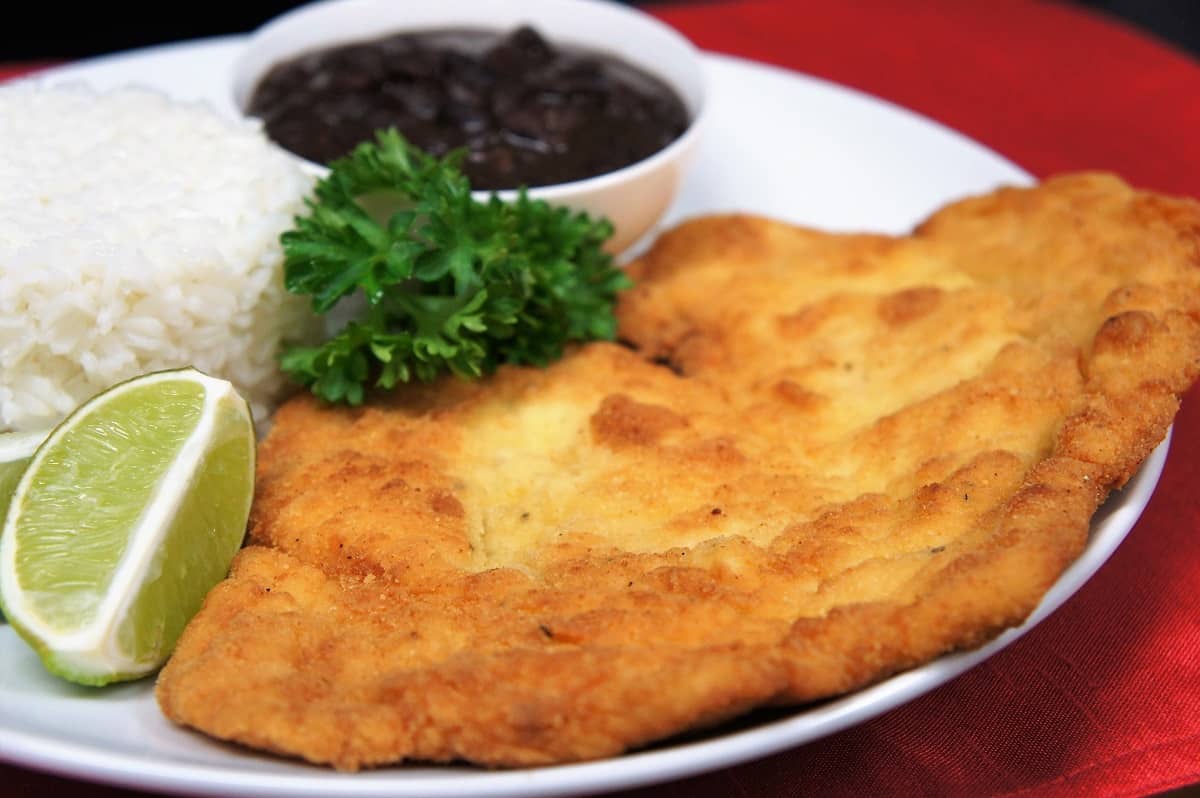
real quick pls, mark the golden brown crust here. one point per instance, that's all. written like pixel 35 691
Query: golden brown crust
pixel 823 459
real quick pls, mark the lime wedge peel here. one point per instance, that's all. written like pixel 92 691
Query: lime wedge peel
pixel 16 448
pixel 90 642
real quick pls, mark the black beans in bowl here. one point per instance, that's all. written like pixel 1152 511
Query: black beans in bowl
pixel 528 112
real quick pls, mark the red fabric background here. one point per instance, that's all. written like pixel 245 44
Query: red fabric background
pixel 1102 699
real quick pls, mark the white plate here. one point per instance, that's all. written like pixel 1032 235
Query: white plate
pixel 780 144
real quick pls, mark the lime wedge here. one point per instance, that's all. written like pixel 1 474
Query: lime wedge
pixel 123 520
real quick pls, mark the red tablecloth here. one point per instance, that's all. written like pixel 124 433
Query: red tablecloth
pixel 1104 697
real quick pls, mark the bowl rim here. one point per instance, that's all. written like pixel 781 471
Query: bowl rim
pixel 241 84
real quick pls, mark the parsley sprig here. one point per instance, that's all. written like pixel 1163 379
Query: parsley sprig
pixel 451 284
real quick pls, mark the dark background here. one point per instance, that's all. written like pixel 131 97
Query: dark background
pixel 50 31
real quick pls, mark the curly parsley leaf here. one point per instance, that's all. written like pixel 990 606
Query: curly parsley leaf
pixel 452 285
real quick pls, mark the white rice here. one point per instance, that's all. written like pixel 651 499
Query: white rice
pixel 138 234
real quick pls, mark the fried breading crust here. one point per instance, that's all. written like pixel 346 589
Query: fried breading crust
pixel 819 460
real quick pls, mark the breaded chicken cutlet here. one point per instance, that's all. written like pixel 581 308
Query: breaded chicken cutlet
pixel 819 459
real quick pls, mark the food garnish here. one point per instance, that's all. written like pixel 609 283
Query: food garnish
pixel 126 516
pixel 451 284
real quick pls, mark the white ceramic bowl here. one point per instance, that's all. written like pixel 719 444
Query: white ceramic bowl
pixel 633 197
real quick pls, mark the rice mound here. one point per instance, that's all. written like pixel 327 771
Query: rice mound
pixel 137 234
